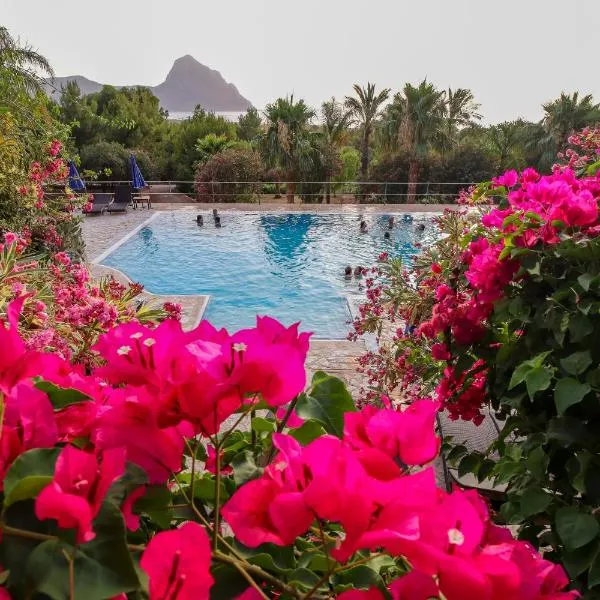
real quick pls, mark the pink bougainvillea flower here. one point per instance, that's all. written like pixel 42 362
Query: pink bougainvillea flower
pixel 81 481
pixel 270 360
pixel 178 564
pixel 293 420
pixel 440 352
pixel 372 594
pixel 414 586
pixel 16 362
pixel 132 521
pixel 4 595
pixel 408 435
pixel 128 421
pixel 28 423
pixel 211 462
pixel 509 179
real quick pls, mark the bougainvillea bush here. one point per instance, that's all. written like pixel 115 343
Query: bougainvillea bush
pixel 502 313
pixel 189 465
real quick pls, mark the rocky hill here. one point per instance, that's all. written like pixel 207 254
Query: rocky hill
pixel 188 84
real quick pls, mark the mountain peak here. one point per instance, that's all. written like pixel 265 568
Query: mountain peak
pixel 188 84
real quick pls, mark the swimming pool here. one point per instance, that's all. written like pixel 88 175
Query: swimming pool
pixel 287 265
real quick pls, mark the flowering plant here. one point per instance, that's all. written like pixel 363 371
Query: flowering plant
pixel 501 314
pixel 189 465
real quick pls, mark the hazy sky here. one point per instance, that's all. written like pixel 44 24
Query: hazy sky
pixel 514 54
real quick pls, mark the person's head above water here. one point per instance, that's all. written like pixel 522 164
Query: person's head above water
pixel 200 220
pixel 421 227
pixel 348 271
pixel 215 213
pixel 358 271
pixel 386 235
pixel 363 225
pixel 391 222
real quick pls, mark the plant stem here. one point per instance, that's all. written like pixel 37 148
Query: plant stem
pixel 43 537
pixel 71 575
pixel 217 497
pixel 251 581
pixel 260 573
pixel 282 424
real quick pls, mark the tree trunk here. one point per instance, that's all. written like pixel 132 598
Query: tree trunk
pixel 413 176
pixel 328 191
pixel 277 190
pixel 291 189
pixel 364 156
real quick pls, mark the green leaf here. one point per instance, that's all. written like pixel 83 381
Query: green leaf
pixel 580 326
pixel 103 567
pixel 469 464
pixel 456 453
pixel 157 504
pixel 507 470
pixel 594 573
pixel 29 474
pixel 273 558
pixel 204 489
pixel 485 469
pixel 61 397
pixel 308 432
pixel 228 582
pixel 244 467
pixel 578 561
pixel 523 369
pixel 569 391
pixel 586 280
pixel 327 402
pixel 538 379
pixel 303 578
pixel 576 363
pixel 575 529
pixel 360 577
pixel 537 463
pixel 534 500
pixel 568 430
pixel 261 425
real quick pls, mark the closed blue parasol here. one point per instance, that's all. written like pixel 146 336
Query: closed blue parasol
pixel 75 182
pixel 137 179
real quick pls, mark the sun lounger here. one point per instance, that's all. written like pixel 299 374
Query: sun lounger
pixel 100 204
pixel 122 199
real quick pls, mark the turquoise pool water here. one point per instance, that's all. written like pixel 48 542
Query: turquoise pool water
pixel 287 265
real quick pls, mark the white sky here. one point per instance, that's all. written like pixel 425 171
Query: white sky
pixel 513 54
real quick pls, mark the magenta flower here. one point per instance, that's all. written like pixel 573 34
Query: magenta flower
pixel 372 594
pixel 414 586
pixel 408 435
pixel 81 481
pixel 509 179
pixel 178 564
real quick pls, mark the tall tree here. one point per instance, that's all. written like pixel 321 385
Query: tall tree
pixel 249 125
pixel 288 142
pixel 567 114
pixel 505 140
pixel 461 111
pixel 365 107
pixel 421 111
pixel 21 63
pixel 335 125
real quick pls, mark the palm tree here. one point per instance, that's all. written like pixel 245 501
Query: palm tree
pixel 334 133
pixel 506 143
pixel 288 142
pixel 22 64
pixel 421 111
pixel 365 109
pixel 461 111
pixel 567 114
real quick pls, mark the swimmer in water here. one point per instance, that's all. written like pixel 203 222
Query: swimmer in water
pixel 391 223
pixel 200 220
pixel 348 272
pixel 363 227
pixel 420 227
pixel 386 235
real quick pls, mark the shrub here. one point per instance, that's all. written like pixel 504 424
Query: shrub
pixel 106 155
pixel 120 484
pixel 504 312
pixel 231 165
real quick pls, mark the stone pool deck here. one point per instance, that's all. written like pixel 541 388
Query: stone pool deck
pixel 102 232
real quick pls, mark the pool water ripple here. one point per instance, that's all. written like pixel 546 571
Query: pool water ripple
pixel 287 265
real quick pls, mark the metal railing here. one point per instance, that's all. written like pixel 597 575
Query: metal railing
pixel 337 192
